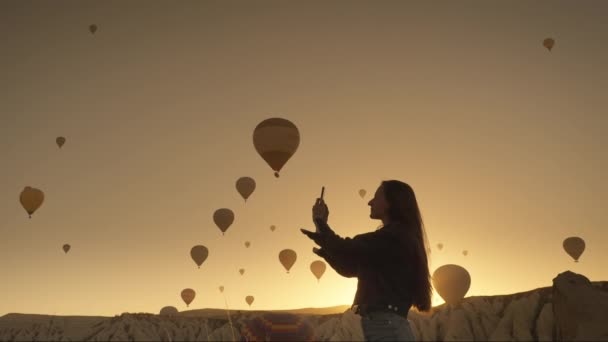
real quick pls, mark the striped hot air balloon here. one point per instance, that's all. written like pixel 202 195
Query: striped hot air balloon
pixel 277 327
pixel 276 140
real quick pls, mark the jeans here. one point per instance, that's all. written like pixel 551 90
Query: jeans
pixel 386 326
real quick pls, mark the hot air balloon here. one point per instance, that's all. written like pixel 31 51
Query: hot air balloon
pixel 241 271
pixel 223 218
pixel 247 244
pixel 188 296
pixel 277 327
pixel 362 193
pixel 60 141
pixel 245 186
pixel 440 246
pixel 199 254
pixel 288 258
pixel 451 282
pixel 548 43
pixel 66 248
pixel 273 227
pixel 574 246
pixel 93 28
pixel 276 140
pixel 168 311
pixel 31 199
pixel 465 252
pixel 318 268
pixel 249 300
pixel 221 289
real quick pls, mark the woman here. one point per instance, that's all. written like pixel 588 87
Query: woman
pixel 390 263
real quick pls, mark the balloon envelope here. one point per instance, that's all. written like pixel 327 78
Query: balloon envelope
pixel 440 246
pixel 247 244
pixel 60 141
pixel 245 186
pixel 288 258
pixel 249 300
pixel 318 268
pixel 574 246
pixel 66 248
pixel 199 254
pixel 93 28
pixel 241 271
pixel 465 252
pixel 168 311
pixel 221 289
pixel 452 282
pixel 188 296
pixel 223 218
pixel 273 227
pixel 31 199
pixel 276 140
pixel 548 43
pixel 362 193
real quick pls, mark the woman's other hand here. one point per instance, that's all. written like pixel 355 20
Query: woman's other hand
pixel 320 211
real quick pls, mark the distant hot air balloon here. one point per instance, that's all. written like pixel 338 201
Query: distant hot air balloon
pixel 548 43
pixel 93 28
pixel 245 186
pixel 221 289
pixel 31 199
pixel 188 296
pixel 66 248
pixel 452 282
pixel 273 227
pixel 247 244
pixel 199 254
pixel 249 300
pixel 318 268
pixel 276 140
pixel 288 258
pixel 241 271
pixel 168 311
pixel 60 141
pixel 574 246
pixel 362 193
pixel 223 218
pixel 465 252
pixel 440 246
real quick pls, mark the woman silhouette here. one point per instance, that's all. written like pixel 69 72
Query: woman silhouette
pixel 390 263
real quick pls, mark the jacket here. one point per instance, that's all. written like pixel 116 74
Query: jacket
pixel 381 260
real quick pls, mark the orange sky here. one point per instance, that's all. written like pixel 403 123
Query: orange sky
pixel 502 140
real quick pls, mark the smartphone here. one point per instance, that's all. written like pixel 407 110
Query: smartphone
pixel 322 192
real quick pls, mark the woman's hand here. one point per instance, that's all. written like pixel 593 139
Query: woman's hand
pixel 320 211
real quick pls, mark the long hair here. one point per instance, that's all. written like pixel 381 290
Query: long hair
pixel 403 207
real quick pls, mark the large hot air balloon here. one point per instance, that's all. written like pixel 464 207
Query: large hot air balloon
pixel 548 43
pixel 247 244
pixel 574 246
pixel 362 193
pixel 223 218
pixel 168 311
pixel 31 199
pixel 93 28
pixel 242 271
pixel 318 268
pixel 60 141
pixel 276 140
pixel 451 282
pixel 222 289
pixel 188 296
pixel 199 254
pixel 273 227
pixel 245 186
pixel 66 248
pixel 277 327
pixel 249 300
pixel 440 246
pixel 288 258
